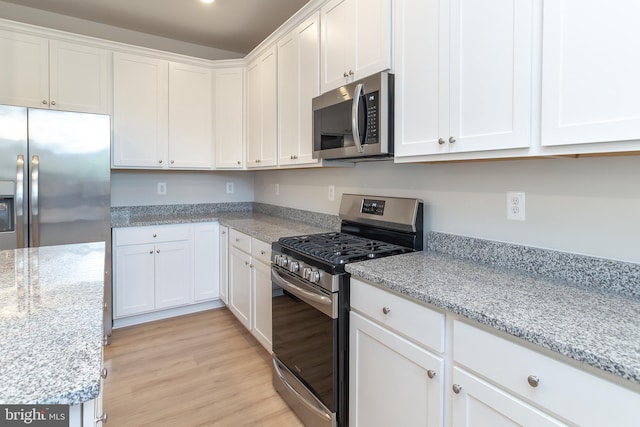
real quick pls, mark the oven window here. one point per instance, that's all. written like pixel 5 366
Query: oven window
pixel 305 340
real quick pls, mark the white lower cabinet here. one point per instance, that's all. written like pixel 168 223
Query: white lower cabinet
pixel 157 268
pixel 401 373
pixel 392 381
pixel 250 284
pixel 224 264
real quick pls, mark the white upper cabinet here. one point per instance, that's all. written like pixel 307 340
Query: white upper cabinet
pixel 229 118
pixel 459 86
pixel 298 84
pixel 356 40
pixel 162 114
pixel 140 111
pixel 262 117
pixel 190 117
pixel 590 69
pixel 52 74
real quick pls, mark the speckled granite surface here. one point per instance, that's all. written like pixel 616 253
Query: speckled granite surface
pixel 51 324
pixel 595 326
pixel 265 222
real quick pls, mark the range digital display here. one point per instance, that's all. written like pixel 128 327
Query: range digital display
pixel 373 207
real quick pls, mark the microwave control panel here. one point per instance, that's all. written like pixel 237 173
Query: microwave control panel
pixel 372 101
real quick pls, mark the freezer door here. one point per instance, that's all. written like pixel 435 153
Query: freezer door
pixel 13 177
pixel 69 171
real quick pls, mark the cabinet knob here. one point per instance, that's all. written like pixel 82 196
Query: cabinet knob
pixel 237 239
pixel 44 102
pixel 160 161
pixel 451 140
pixel 257 160
pixel 345 74
pixel 151 252
pixel 104 373
pixel 441 141
pixel 158 251
pixel 250 265
pixel 53 102
pixel 172 162
pixel 431 373
pixel 533 380
pixel 262 252
pixel 457 388
pixel 246 263
pixel 239 162
pixel 351 72
pixel 386 310
pixel 102 418
pixel 155 235
pixel 224 232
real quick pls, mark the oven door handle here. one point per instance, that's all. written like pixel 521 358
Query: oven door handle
pixel 320 302
pixel 317 408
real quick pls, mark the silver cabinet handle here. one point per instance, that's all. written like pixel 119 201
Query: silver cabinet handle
pixel 351 72
pixel 239 162
pixel 158 251
pixel 35 212
pixel 155 235
pixel 160 161
pixel 44 102
pixel 151 252
pixel 457 388
pixel 258 160
pixel 246 263
pixel 237 239
pixel 452 140
pixel 431 373
pixel 345 74
pixel 102 418
pixel 262 252
pixel 53 102
pixel 533 380
pixel 355 106
pixel 440 141
pixel 104 373
pixel 20 200
pixel 172 162
pixel 224 232
pixel 386 310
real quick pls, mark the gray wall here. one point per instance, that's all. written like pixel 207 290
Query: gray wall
pixel 589 206
pixel 139 188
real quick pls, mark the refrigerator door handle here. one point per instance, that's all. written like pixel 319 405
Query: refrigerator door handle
pixel 35 172
pixel 20 201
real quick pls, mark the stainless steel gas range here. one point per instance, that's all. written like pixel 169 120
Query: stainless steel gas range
pixel 310 307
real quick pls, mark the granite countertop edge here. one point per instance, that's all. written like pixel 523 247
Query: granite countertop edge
pixel 599 341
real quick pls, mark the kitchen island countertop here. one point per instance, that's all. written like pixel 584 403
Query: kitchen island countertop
pixel 51 324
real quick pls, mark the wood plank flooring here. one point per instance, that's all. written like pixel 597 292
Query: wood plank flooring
pixel 203 369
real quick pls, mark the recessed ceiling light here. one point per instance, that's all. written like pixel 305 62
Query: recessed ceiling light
pixel 206 1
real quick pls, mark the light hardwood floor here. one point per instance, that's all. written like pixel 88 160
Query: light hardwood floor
pixel 203 369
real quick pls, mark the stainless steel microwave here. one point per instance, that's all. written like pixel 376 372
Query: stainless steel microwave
pixel 355 121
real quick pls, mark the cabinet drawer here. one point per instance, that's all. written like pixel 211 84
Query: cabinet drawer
pixel 410 319
pixel 261 250
pixel 569 392
pixel 151 234
pixel 240 240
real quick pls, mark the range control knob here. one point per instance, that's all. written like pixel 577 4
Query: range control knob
pixel 294 266
pixel 282 260
pixel 314 276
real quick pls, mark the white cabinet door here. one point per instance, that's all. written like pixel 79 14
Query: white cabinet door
pixel 262 99
pixel 459 87
pixel 174 274
pixel 24 74
pixel 478 403
pixel 356 40
pixel 390 379
pixel 224 264
pixel 206 259
pixel 140 111
pixel 590 69
pixel 190 117
pixel 298 84
pixel 262 303
pixel 134 273
pixel 229 118
pixel 240 286
pixel 79 78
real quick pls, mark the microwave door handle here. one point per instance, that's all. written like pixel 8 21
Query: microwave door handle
pixel 355 106
pixel 20 201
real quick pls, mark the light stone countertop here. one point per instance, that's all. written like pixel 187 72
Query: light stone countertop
pixel 51 324
pixel 599 328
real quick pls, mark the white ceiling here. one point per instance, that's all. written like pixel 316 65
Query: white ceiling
pixel 234 25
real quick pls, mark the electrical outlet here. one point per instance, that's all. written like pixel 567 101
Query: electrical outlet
pixel 332 193
pixel 277 189
pixel 162 188
pixel 229 187
pixel 515 205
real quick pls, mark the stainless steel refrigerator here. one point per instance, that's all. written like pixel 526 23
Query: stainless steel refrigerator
pixel 55 181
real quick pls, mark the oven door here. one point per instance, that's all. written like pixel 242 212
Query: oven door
pixel 305 347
